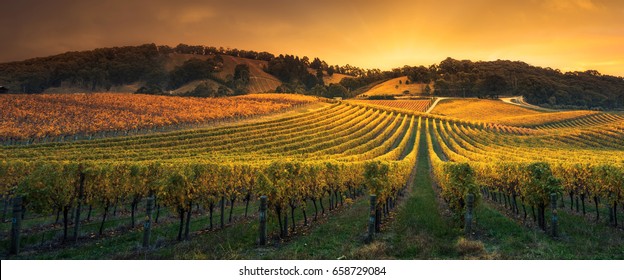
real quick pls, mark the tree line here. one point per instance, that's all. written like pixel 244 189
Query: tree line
pixel 103 68
pixel 541 86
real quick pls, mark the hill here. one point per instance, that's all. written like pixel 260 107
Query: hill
pixel 496 111
pixel 160 69
pixel 544 87
pixel 396 86
pixel 146 68
pixel 259 79
pixel 335 78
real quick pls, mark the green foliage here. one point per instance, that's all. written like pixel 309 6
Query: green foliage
pixel 376 177
pixel 150 89
pixel 241 73
pixel 190 70
pixel 337 90
pixel 382 97
pixel 610 182
pixel 538 183
pixel 541 86
pixel 458 182
pixel 98 69
pixel 204 90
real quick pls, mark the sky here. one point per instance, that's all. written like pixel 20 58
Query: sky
pixel 570 35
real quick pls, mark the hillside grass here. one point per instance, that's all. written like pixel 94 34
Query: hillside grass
pixel 497 111
pixel 190 86
pixel 396 86
pixel 334 78
pixel 260 81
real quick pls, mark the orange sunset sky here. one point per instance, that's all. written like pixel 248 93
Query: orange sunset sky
pixel 564 34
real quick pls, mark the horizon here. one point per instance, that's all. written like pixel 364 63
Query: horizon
pixel 573 35
pixel 311 57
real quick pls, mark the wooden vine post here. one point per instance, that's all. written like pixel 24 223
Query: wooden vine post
pixel 222 211
pixel 372 218
pixel 16 224
pixel 469 214
pixel 555 219
pixel 147 225
pixel 79 206
pixel 263 220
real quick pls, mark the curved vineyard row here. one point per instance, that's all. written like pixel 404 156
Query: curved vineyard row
pixel 336 151
pixel 528 169
pixel 420 105
pixel 582 121
pixel 44 116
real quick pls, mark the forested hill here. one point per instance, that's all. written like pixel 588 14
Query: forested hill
pixel 146 68
pixel 540 86
pixel 211 71
pixel 184 69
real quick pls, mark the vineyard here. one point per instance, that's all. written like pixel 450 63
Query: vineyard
pixel 309 157
pixel 46 116
pixel 420 105
pixel 337 154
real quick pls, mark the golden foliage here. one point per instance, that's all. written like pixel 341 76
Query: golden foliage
pixel 38 116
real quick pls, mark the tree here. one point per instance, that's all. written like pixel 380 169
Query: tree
pixel 493 86
pixel 442 87
pixel 350 83
pixel 319 76
pixel 337 90
pixel 241 73
pixel 427 90
pixel 319 90
pixel 316 63
pixel 330 71
pixel 190 70
pixel 222 91
pixel 309 81
pixel 202 90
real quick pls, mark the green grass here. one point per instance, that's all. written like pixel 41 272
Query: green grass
pixel 339 236
pixel 579 239
pixel 420 231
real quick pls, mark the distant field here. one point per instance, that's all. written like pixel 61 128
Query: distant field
pixel 396 86
pixel 335 78
pixel 538 119
pixel 496 111
pixel 37 116
pixel 480 109
pixel 412 105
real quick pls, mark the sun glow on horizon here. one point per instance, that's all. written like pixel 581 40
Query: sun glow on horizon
pixel 569 35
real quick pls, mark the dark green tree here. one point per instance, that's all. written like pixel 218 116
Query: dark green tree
pixel 241 73
pixel 337 90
